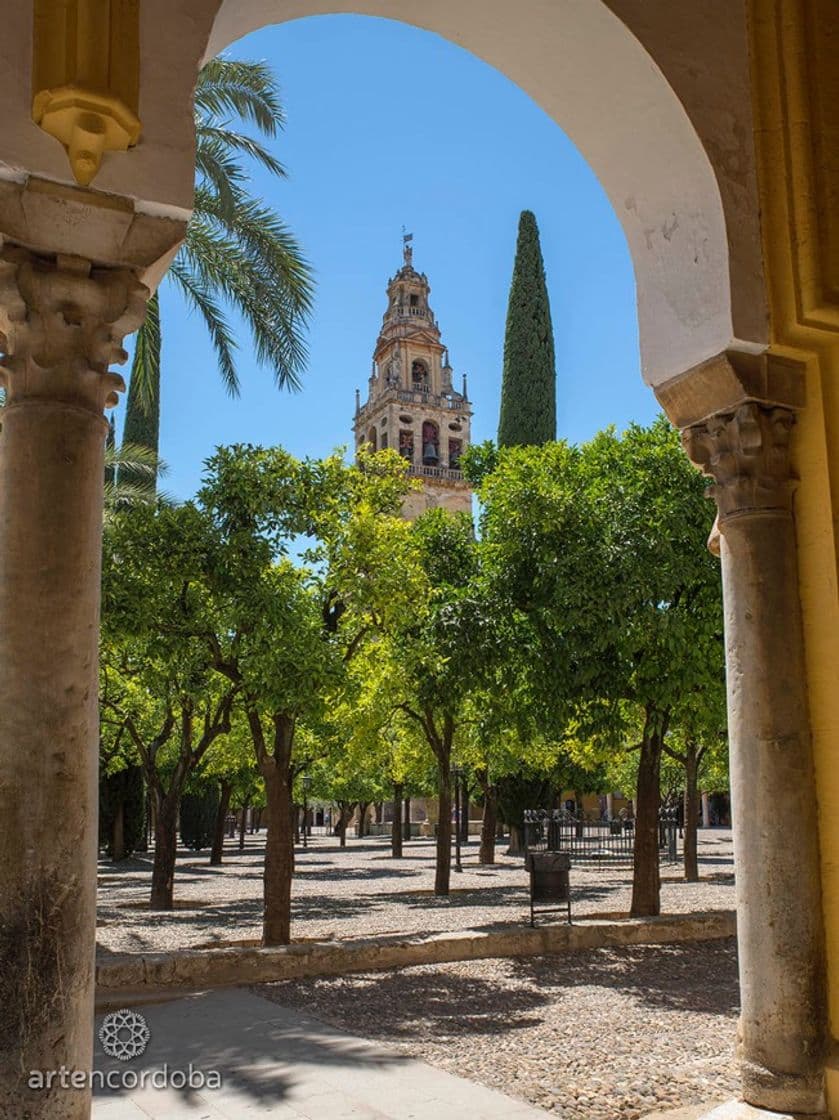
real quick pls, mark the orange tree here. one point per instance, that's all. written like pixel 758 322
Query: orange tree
pixel 600 553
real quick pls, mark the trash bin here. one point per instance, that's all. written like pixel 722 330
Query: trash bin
pixel 550 883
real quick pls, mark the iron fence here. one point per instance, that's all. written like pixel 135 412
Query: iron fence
pixel 592 841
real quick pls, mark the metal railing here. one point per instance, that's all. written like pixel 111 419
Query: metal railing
pixel 595 841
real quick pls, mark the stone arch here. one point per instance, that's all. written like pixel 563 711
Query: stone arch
pixel 629 124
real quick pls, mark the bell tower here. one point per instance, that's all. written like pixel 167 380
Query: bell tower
pixel 411 405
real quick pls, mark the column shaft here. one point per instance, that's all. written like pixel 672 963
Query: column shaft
pixel 62 323
pixel 782 1025
pixel 782 1035
pixel 51 476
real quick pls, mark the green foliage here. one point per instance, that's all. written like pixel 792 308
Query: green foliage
pixel 198 816
pixel 600 552
pixel 123 788
pixel 520 791
pixel 528 386
pixel 131 474
pixel 478 461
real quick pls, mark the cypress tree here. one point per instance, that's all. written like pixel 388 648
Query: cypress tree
pixel 142 409
pixel 198 817
pixel 528 386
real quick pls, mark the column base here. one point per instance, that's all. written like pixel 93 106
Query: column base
pixel 783 1093
pixel 731 1110
pixel 739 1110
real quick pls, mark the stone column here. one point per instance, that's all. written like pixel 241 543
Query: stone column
pixel 706 811
pixel 782 1034
pixel 61 324
pixel 610 805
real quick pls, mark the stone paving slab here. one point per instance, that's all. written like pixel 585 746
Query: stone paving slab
pixel 275 1062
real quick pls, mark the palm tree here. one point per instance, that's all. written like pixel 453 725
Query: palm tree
pixel 237 254
pixel 131 473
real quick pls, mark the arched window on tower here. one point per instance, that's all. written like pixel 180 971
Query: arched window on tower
pixel 430 443
pixel 419 375
pixel 372 439
pixel 406 444
pixel 455 451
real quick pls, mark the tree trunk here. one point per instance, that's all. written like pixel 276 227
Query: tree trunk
pixel 646 882
pixel 294 832
pixel 516 845
pixel 345 811
pixel 444 826
pixel 118 833
pixel 691 814
pixel 242 826
pixel 396 824
pixel 276 919
pixel 221 816
pixel 489 824
pixel 407 831
pixel 165 850
pixel 363 806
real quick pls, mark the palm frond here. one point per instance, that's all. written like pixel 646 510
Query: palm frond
pixel 125 495
pixel 199 296
pixel 250 283
pixel 247 90
pixel 227 140
pixel 238 255
pixel 140 461
pixel 131 477
pixel 267 239
pixel 221 171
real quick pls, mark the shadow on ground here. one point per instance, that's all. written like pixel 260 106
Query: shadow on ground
pixel 670 977
pixel 257 1058
pixel 439 1001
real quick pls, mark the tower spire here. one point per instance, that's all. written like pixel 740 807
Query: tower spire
pixel 407 248
pixel 411 406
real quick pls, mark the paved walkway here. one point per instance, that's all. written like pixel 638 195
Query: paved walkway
pixel 276 1063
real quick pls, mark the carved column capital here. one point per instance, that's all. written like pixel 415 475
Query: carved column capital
pixel 746 452
pixel 62 322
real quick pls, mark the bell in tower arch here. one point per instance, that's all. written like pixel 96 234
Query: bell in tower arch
pixel 430 444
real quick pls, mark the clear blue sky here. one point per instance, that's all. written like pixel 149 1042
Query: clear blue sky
pixel 388 125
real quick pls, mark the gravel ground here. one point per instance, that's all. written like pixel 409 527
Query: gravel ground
pixel 361 892
pixel 605 1034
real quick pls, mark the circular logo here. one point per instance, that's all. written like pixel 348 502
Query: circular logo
pixel 124 1034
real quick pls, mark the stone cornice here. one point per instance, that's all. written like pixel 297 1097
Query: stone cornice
pixel 728 380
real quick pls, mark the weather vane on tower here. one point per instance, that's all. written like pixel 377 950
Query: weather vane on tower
pixel 407 248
